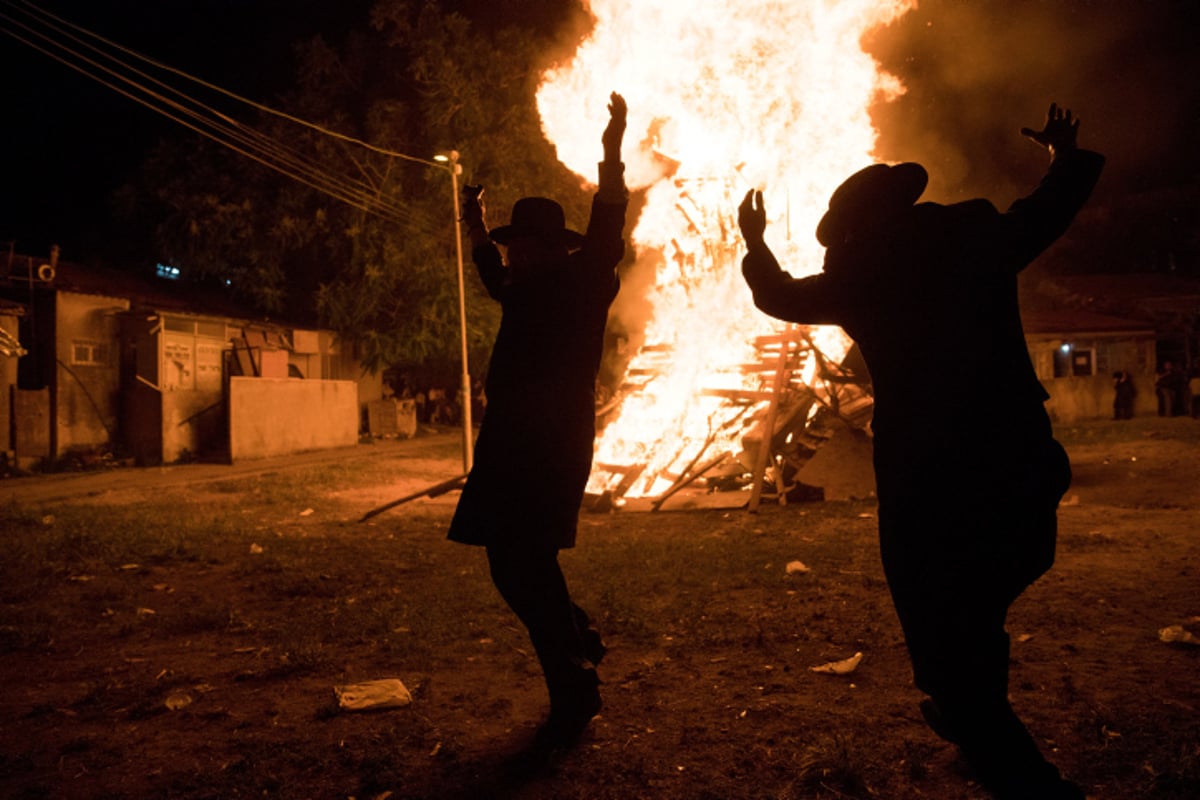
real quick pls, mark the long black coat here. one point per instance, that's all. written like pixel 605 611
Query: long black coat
pixel 967 470
pixel 932 303
pixel 534 451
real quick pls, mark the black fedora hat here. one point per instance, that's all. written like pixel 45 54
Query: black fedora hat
pixel 868 196
pixel 540 218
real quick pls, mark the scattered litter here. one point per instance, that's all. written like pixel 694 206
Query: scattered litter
pixel 131 566
pixel 48 520
pixel 1071 500
pixel 1024 637
pixel 796 566
pixel 866 515
pixel 843 667
pixel 146 612
pixel 255 549
pixel 306 512
pixel 1177 634
pixel 82 578
pixel 371 695
pixel 178 700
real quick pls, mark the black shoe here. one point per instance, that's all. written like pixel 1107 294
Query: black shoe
pixel 1042 787
pixel 570 713
pixel 1012 775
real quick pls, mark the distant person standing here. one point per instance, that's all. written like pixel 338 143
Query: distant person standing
pixel 968 483
pixel 534 452
pixel 1123 395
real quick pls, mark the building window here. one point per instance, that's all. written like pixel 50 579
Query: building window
pixel 1083 363
pixel 179 324
pixel 1074 362
pixel 86 353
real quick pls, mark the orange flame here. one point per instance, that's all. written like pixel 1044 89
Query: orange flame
pixel 724 96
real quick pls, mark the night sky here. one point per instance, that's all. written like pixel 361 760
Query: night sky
pixel 68 141
pixel 976 71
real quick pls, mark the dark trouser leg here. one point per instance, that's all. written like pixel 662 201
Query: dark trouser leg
pixel 532 583
pixel 952 589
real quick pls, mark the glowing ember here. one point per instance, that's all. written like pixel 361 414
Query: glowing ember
pixel 724 96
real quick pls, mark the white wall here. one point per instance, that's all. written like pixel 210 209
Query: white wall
pixel 277 416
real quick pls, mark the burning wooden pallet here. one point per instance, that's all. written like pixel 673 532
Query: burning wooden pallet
pixel 780 403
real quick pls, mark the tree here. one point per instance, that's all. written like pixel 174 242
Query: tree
pixel 418 80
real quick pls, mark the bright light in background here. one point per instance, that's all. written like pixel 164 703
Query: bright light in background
pixel 724 96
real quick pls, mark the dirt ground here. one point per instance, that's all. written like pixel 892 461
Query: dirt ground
pixel 207 671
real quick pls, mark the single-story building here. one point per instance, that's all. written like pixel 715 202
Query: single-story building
pixel 1169 303
pixel 1075 354
pixel 165 372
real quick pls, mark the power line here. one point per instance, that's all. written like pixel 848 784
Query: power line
pixel 232 95
pixel 268 152
pixel 218 126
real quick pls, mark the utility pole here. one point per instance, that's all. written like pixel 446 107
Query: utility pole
pixel 450 160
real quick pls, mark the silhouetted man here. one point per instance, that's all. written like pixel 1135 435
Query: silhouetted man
pixel 534 452
pixel 968 480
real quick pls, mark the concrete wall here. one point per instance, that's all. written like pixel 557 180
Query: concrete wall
pixel 277 416
pixel 8 384
pixel 31 428
pixel 88 378
pixel 338 362
pixel 1075 399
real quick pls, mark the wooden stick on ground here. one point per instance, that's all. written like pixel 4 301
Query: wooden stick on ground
pixel 686 479
pixel 431 491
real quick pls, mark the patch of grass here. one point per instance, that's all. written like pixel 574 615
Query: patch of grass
pixel 214 616
pixel 1181 778
pixel 836 767
pixel 1182 429
pixel 77 536
pixel 717 590
pixel 24 628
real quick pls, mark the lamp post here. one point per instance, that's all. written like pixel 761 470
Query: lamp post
pixel 449 162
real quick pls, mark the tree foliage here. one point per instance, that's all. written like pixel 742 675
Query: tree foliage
pixel 414 79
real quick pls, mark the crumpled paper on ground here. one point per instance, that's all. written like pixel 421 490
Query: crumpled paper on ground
pixel 843 667
pixel 1178 634
pixel 371 695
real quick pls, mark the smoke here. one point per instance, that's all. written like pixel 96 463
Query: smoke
pixel 975 72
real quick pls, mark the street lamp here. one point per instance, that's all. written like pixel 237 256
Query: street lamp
pixel 449 162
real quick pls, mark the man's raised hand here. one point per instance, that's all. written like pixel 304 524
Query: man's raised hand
pixel 1058 133
pixel 752 217
pixel 615 130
